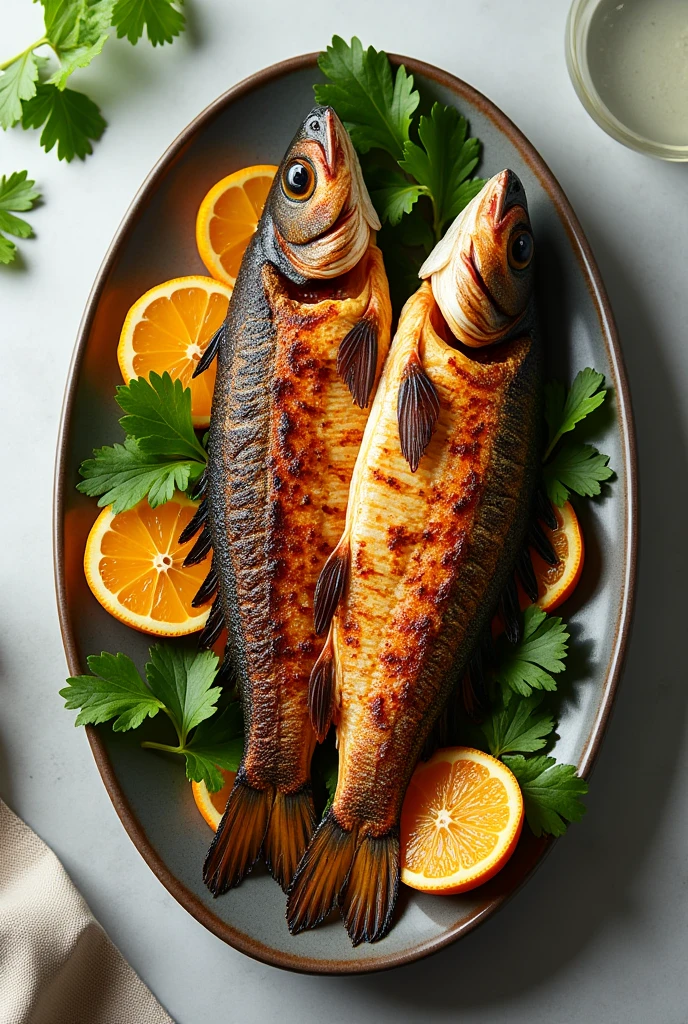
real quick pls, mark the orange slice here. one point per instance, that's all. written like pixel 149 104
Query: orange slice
pixel 169 328
pixel 133 565
pixel 212 805
pixel 557 582
pixel 228 216
pixel 460 822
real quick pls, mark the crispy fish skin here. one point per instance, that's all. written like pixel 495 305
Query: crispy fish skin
pixel 310 439
pixel 283 440
pixel 438 511
pixel 430 552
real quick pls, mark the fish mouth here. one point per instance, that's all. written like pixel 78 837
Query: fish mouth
pixel 509 193
pixel 472 266
pixel 331 140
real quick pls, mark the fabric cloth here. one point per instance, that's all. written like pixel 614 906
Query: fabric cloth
pixel 57 965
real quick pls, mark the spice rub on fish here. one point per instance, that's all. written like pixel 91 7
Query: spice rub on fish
pixel 307 330
pixel 438 512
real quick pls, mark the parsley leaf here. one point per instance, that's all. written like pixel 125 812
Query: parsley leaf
pixel 551 792
pixel 161 19
pixel 443 163
pixel 532 663
pixel 77 32
pixel 563 410
pixel 114 690
pixel 217 743
pixel 393 195
pixel 575 467
pixel 17 193
pixel 17 83
pixel 518 727
pixel 123 475
pixel 159 416
pixel 183 680
pixel 70 118
pixel 161 455
pixel 178 682
pixel 375 107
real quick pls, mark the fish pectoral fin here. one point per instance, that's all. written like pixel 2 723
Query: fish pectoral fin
pixel 357 358
pixel 370 893
pixel 211 350
pixel 239 838
pixel 321 690
pixel 321 875
pixel 418 409
pixel 331 586
pixel 290 828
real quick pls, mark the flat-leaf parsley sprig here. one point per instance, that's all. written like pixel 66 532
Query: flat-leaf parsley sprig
pixel 520 724
pixel 377 108
pixel 160 454
pixel 180 683
pixel 33 85
pixel 570 465
pixel 17 195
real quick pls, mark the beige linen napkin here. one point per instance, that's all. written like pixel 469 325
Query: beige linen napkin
pixel 57 965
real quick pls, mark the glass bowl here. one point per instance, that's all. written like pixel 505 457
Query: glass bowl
pixel 578 35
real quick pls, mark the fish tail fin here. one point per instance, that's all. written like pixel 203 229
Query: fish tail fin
pixel 370 893
pixel 321 875
pixel 290 828
pixel 239 837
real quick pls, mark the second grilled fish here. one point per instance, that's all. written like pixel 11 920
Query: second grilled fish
pixel 438 511
pixel 307 327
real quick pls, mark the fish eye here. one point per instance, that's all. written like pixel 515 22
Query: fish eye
pixel 315 126
pixel 298 180
pixel 520 250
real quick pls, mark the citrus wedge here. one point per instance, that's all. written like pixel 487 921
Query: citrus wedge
pixel 212 805
pixel 133 565
pixel 169 328
pixel 228 216
pixel 557 582
pixel 460 822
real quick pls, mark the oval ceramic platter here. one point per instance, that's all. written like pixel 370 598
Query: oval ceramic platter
pixel 251 124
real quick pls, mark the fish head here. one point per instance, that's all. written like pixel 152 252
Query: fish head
pixel 319 206
pixel 481 272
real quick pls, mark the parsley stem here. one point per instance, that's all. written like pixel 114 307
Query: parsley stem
pixel 34 46
pixel 152 745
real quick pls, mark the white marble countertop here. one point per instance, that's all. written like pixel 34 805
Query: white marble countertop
pixel 600 933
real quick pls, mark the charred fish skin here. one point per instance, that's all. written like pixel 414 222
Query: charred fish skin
pixel 431 541
pixel 283 441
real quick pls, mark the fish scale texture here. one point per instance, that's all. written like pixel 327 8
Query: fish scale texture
pixel 57 965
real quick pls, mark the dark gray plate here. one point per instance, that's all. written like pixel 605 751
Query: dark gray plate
pixel 253 123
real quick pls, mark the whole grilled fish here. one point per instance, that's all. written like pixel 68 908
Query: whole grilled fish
pixel 307 327
pixel 438 512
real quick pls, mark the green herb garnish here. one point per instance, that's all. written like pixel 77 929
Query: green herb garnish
pixel 17 195
pixel 178 683
pixel 160 454
pixel 520 726
pixel 33 85
pixel 551 792
pixel 571 465
pixel 377 107
pixel 532 663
